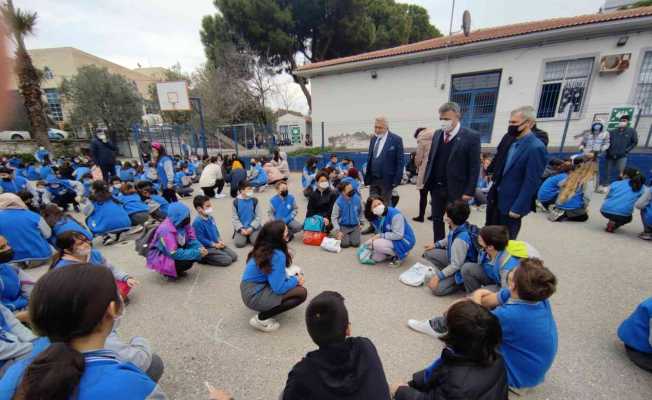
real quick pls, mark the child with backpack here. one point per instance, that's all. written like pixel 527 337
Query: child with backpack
pixel 347 216
pixel 618 206
pixel 219 254
pixel 469 367
pixel 644 203
pixel 636 334
pixel 105 216
pixel 283 207
pixel 137 210
pixel 343 367
pixel 451 254
pixel 245 219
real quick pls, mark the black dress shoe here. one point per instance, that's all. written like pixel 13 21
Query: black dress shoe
pixel 430 218
pixel 417 219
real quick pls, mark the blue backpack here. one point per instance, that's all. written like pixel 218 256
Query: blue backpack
pixel 314 224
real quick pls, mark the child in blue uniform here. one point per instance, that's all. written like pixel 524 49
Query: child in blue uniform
pixel 644 203
pixel 257 177
pixel 394 236
pixel 15 285
pixel 70 306
pixel 137 209
pixel 183 181
pixel 549 189
pixel 10 183
pixel 26 231
pixel 116 185
pixel 347 215
pixel 309 176
pixel 158 205
pixel 127 172
pixel 618 206
pixel 266 287
pixel 63 192
pixel 636 334
pixel 575 193
pixel 104 214
pixel 283 207
pixel 219 254
pixel 245 217
pixel 59 222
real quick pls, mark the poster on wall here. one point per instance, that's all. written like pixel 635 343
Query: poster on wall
pixel 617 113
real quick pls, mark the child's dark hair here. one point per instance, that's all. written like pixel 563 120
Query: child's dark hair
pixel 368 211
pixel 534 282
pixel 311 162
pixel 472 332
pixel 322 174
pixel 243 185
pixel 100 192
pixel 458 212
pixel 269 239
pixel 342 185
pixel 127 188
pixel 327 319
pixel 141 185
pixel 115 178
pixel 65 241
pixel 636 179
pixel 200 200
pixel 66 304
pixel 496 236
pixel 52 214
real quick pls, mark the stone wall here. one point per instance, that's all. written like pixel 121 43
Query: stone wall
pixel 70 147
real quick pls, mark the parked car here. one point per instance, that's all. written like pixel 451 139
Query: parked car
pixel 57 134
pixel 15 135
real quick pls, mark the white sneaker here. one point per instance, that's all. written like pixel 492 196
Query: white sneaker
pixel 422 327
pixel 267 325
pixel 220 196
pixel 395 263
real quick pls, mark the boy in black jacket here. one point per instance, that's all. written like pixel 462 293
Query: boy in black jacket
pixel 344 368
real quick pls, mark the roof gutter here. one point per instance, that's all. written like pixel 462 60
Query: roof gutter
pixel 487 46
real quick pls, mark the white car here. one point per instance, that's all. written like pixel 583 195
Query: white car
pixel 15 135
pixel 57 134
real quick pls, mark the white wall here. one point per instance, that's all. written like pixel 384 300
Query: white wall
pixel 410 95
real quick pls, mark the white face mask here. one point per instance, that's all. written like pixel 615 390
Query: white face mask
pixel 117 186
pixel 378 210
pixel 446 125
pixel 249 193
pixel 324 185
pixel 208 210
pixel 102 137
pixel 623 124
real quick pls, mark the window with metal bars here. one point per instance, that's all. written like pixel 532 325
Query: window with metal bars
pixel 54 104
pixel 563 81
pixel 643 96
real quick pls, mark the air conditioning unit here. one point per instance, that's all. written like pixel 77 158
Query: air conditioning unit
pixel 615 63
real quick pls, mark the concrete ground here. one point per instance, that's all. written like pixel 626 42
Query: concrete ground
pixel 200 326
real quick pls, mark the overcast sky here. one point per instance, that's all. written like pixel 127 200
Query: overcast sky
pixel 164 32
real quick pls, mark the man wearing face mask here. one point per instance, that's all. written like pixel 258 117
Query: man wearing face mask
pixel 517 169
pixel 622 141
pixel 103 153
pixel 384 162
pixel 453 165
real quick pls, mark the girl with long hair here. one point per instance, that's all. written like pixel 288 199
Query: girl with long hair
pixel 394 236
pixel 575 193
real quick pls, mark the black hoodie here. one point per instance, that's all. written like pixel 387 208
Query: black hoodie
pixel 349 370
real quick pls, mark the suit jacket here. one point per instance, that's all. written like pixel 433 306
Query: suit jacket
pixel 391 159
pixel 463 166
pixel 516 184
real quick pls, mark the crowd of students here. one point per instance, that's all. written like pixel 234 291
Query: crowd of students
pixel 60 333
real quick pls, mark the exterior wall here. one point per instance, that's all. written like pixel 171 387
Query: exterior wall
pixel 409 95
pixel 291 120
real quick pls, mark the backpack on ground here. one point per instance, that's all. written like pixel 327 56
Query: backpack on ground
pixel 143 241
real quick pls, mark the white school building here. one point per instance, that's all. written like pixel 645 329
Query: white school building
pixel 601 60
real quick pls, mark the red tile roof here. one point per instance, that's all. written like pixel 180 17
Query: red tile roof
pixel 486 34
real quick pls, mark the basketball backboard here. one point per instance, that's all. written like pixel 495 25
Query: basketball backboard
pixel 173 96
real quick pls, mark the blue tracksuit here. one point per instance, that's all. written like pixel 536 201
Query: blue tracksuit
pixel 160 170
pixel 132 203
pixel 10 289
pixel 32 173
pixel 354 183
pixel 635 331
pixel 308 178
pixel 58 187
pixel 161 200
pixel 21 229
pixel 349 210
pixel 246 210
pixel 127 175
pixel 66 224
pixel 277 280
pixel 401 246
pixel 80 172
pixel 108 217
pixel 492 270
pixel 529 340
pixel 17 184
pixel 574 203
pixel 621 198
pixel 284 208
pixel 261 178
pixel 45 171
pixel 206 230
pixel 549 189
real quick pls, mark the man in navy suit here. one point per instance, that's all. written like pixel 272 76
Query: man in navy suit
pixel 517 169
pixel 384 162
pixel 453 165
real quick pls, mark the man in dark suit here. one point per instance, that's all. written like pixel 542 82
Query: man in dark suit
pixel 384 162
pixel 516 169
pixel 453 165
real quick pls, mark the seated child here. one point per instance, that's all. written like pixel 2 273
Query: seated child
pixel 219 254
pixel 116 185
pixel 26 231
pixel 636 334
pixel 322 374
pixel 470 366
pixel 10 183
pixel 394 236
pixel 105 216
pixel 17 340
pixel 347 215
pixel 575 193
pixel 59 222
pixel 183 181
pixel 63 192
pixel 15 285
pixel 283 207
pixel 266 286
pixel 618 206
pixel 174 247
pixel 127 172
pixel 246 220
pixel 450 255
pixel 158 205
pixel 75 248
pixel 644 203
pixel 137 210
pixel 549 189
pixel 257 177
pixel 353 177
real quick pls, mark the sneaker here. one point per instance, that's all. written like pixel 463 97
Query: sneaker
pixel 108 240
pixel 418 219
pixel 555 214
pixel 395 263
pixel 135 229
pixel 422 327
pixel 220 196
pixel 540 207
pixel 267 325
pixel 645 236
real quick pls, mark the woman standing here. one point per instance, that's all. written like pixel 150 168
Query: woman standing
pixel 394 237
pixel 424 140
pixel 164 171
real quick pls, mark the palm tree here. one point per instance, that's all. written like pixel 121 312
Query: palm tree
pixel 29 79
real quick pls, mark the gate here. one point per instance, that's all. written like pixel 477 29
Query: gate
pixel 477 95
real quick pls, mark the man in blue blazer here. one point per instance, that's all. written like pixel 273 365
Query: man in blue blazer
pixel 384 162
pixel 517 171
pixel 453 165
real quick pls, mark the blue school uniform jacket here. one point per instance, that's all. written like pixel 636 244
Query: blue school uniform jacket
pixel 283 208
pixel 45 171
pixel 246 210
pixel 206 230
pixel 179 178
pixel 277 279
pixel 349 210
pixel 66 224
pixel 161 200
pixel 132 203
pixel 549 189
pixel 308 178
pixel 10 289
pixel 493 268
pixel 15 185
pixel 635 331
pixel 107 217
pixel 32 173
pixel 621 199
pixel 58 187
pixel 576 202
pixel 104 377
pixel 354 183
pixel 127 175
pixel 160 170
pixel 80 172
pixel 21 229
pixel 261 178
pixel 462 233
pixel 401 246
pixel 529 340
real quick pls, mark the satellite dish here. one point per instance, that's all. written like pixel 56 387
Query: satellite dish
pixel 466 22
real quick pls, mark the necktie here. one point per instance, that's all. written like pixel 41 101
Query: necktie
pixel 447 137
pixel 376 146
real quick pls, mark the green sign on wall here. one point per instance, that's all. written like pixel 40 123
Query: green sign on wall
pixel 296 135
pixel 617 113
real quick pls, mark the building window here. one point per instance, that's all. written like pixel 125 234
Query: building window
pixel 54 104
pixel 47 73
pixel 643 96
pixel 477 95
pixel 561 81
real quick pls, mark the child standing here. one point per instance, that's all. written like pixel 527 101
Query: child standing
pixel 245 219
pixel 618 206
pixel 208 235
pixel 283 207
pixel 347 216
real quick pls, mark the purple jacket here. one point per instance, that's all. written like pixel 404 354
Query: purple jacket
pixel 168 240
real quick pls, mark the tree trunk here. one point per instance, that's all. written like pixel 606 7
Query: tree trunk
pixel 30 87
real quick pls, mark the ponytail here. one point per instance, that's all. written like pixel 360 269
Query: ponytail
pixel 636 179
pixel 54 374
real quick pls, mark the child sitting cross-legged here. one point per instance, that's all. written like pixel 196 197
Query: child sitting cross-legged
pixel 347 216
pixel 283 207
pixel 219 254
pixel 246 219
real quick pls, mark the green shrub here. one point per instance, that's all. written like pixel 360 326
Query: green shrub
pixel 315 151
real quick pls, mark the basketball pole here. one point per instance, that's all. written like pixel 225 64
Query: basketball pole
pixel 202 126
